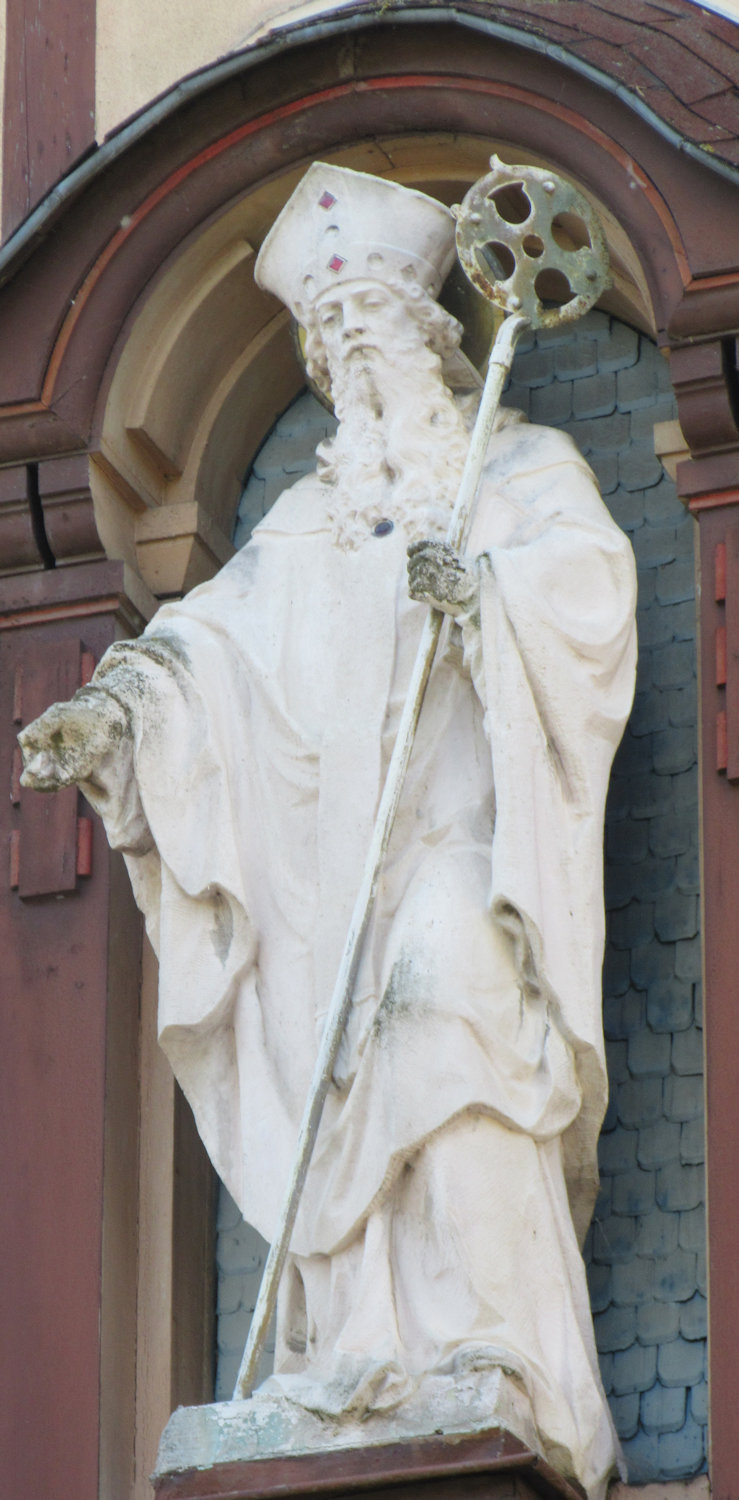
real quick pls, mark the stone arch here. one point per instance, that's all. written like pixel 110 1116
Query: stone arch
pixel 209 362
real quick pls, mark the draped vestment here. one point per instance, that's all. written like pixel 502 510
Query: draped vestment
pixel 471 1079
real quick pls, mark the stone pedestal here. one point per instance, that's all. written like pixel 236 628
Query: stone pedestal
pixel 487 1466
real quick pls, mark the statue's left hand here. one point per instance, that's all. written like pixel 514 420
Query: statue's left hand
pixel 438 576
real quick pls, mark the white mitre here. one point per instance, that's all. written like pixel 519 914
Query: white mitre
pixel 340 225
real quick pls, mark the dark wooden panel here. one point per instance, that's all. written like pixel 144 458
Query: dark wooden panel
pixel 52 1044
pixel 68 510
pixel 49 98
pixel 193 1263
pixel 46 673
pixel 703 379
pixel 732 653
pixel 18 546
pixel 494 1464
pixel 68 1113
pixel 457 1487
pixel 720 887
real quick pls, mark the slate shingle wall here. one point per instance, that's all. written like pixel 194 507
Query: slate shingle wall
pixel 607 386
pixel 646 1250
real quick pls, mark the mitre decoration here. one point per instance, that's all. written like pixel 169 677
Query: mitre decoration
pixel 340 225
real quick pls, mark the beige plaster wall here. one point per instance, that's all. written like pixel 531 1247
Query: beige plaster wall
pixel 143 49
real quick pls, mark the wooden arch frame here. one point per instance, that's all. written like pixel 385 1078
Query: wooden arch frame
pixel 71 307
pixel 68 309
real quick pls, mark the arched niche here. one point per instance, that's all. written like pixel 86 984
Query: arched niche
pixel 209 362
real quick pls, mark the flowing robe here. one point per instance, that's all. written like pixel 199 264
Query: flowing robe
pixel 263 710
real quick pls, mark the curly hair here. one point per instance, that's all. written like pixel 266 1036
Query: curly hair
pixel 443 331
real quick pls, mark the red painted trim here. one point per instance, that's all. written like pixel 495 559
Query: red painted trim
pixel 720 572
pixel 84 846
pixel 14 846
pixel 721 656
pixel 76 611
pixel 407 81
pixel 23 409
pixel 713 501
pixel 704 283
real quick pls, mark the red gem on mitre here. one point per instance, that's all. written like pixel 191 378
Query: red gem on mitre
pixel 336 262
pixel 326 200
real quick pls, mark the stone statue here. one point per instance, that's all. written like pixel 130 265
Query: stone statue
pixel 236 753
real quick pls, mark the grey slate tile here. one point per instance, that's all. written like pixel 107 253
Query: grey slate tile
pixel 599 1286
pixel 617 1151
pixel 614 1239
pixel 595 397
pixel 657 1234
pixel 694 1318
pixel 670 1005
pixel 688 959
pixel 675 750
pixel 552 404
pixel 640 1101
pixel 615 1329
pixel 633 1281
pixel 663 1408
pixel 577 359
pixel 621 350
pixel 676 916
pixel 625 1413
pixel 638 469
pixel 658 1144
pixel 687 1052
pixel 636 386
pixel 657 1322
pixel 675 1280
pixel 680 1362
pixel 698 1403
pixel 672 665
pixel 649 1054
pixel 693 1142
pixel 681 1453
pixel 679 1187
pixel 634 1193
pixel 654 961
pixel 683 1097
pixel 692 1231
pixel 634 1369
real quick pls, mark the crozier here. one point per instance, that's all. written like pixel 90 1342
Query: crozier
pixel 236 754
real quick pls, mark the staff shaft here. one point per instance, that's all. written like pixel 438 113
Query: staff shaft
pixel 499 365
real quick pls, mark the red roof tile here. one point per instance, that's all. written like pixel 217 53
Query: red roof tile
pixel 673 55
pixel 687 74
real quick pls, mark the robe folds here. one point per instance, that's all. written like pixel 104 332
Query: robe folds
pixel 263 709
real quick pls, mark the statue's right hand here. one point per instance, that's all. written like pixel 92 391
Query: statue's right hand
pixel 68 742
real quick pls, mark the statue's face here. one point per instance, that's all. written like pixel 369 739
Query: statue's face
pixel 363 318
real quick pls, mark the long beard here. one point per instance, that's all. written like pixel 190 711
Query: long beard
pixel 399 450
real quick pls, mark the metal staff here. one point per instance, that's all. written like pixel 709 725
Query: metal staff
pixel 517 239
